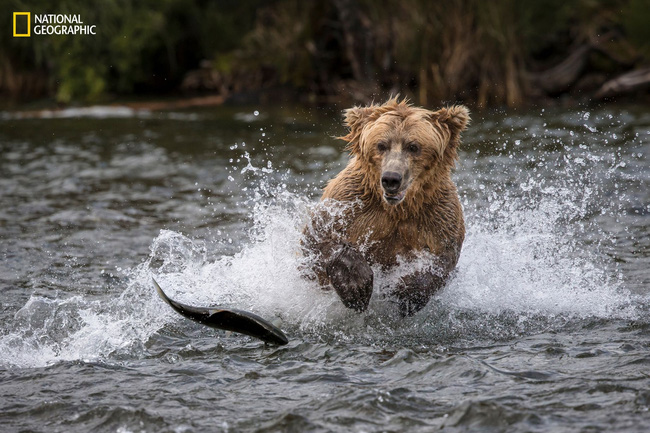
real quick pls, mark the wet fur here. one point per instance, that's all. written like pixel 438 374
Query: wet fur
pixel 429 218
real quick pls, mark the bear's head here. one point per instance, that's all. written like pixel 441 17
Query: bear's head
pixel 402 146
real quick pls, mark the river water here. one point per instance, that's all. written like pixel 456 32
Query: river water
pixel 544 328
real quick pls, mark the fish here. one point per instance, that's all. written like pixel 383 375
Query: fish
pixel 242 322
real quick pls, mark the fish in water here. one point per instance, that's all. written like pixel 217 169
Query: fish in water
pixel 227 319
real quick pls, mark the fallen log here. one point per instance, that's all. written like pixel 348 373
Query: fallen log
pixel 561 76
pixel 626 83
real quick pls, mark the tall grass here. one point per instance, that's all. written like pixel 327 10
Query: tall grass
pixel 496 52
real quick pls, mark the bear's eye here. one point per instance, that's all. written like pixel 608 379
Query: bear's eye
pixel 413 147
pixel 382 147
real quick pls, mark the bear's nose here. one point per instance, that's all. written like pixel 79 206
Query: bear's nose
pixel 391 181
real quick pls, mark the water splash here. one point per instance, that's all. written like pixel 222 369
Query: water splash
pixel 524 268
pixel 530 266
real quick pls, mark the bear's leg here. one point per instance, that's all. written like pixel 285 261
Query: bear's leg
pixel 351 277
pixel 414 291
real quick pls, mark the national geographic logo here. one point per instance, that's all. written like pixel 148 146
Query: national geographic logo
pixel 50 24
pixel 27 32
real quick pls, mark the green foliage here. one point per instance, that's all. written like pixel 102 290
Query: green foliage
pixel 468 49
pixel 281 41
pixel 139 46
pixel 635 21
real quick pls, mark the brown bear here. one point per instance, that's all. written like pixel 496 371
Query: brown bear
pixel 395 198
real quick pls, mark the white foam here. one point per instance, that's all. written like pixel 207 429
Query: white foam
pixel 520 259
pixel 530 267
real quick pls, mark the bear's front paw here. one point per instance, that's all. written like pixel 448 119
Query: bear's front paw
pixel 411 303
pixel 414 291
pixel 351 277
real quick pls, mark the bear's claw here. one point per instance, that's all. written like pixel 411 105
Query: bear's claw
pixel 414 291
pixel 351 277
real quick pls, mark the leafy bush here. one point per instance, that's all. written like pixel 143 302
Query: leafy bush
pixel 474 50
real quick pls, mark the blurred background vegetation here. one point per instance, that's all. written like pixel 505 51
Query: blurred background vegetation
pixel 485 53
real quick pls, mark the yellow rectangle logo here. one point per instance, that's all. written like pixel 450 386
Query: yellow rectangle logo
pixel 29 25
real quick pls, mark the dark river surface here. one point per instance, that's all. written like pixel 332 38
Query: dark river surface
pixel 544 328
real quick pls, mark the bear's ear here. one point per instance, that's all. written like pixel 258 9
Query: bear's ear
pixel 355 119
pixel 452 120
pixel 456 118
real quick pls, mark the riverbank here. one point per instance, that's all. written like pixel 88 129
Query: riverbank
pixel 485 54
